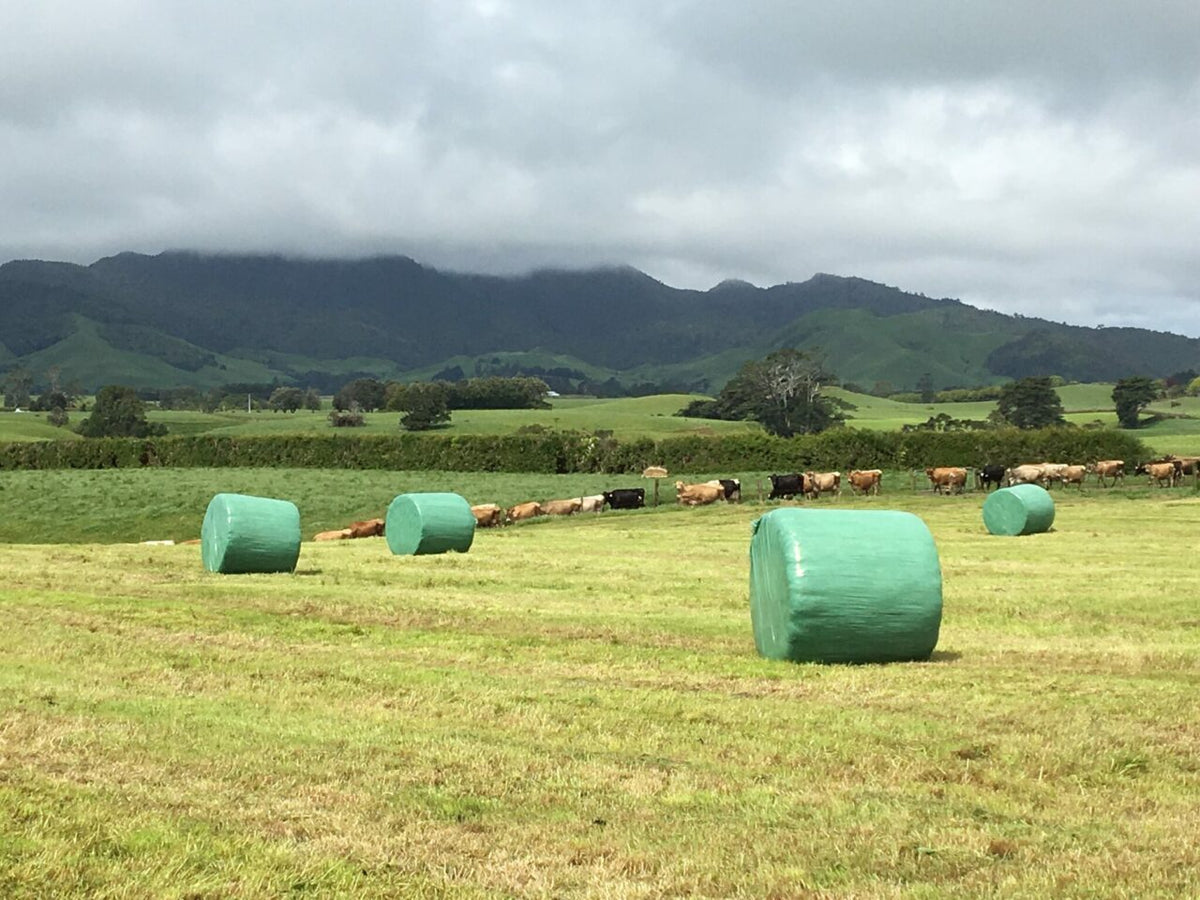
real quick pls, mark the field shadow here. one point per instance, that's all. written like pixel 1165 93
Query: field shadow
pixel 945 656
pixel 307 572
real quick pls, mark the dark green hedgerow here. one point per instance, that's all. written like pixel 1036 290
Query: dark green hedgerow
pixel 564 452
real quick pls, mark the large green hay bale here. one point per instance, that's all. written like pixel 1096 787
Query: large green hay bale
pixel 844 586
pixel 429 523
pixel 244 534
pixel 1020 509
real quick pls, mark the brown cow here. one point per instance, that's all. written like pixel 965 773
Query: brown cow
pixel 562 507
pixel 1161 473
pixel 698 494
pixel 1052 472
pixel 523 511
pixel 1026 474
pixel 1189 464
pixel 487 515
pixel 947 479
pixel 819 483
pixel 366 528
pixel 1073 475
pixel 593 503
pixel 866 481
pixel 1109 468
pixel 341 534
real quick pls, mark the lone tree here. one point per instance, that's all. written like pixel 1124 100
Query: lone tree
pixel 782 392
pixel 1030 403
pixel 17 385
pixel 425 406
pixel 1131 396
pixel 925 388
pixel 287 399
pixel 119 412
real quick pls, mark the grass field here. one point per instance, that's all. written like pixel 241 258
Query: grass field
pixel 1177 431
pixel 575 708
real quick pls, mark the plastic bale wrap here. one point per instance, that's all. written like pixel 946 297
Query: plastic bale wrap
pixel 243 534
pixel 842 586
pixel 429 523
pixel 1020 509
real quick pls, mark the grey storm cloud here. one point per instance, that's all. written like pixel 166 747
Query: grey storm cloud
pixel 1029 157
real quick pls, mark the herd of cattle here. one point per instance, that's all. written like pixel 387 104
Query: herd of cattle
pixel 1165 472
pixel 488 515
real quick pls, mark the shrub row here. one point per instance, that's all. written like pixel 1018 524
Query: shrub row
pixel 565 452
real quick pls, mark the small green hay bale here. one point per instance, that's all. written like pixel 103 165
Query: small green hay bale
pixel 243 534
pixel 844 586
pixel 1020 509
pixel 429 523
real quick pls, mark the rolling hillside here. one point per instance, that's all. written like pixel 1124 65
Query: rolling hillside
pixel 186 319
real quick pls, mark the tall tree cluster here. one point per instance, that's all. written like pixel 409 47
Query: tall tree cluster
pixel 1131 396
pixel 119 412
pixel 1030 403
pixel 783 392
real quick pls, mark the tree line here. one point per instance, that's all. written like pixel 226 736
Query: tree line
pixel 784 393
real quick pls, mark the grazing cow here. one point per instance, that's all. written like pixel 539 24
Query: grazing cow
pixel 562 507
pixel 947 479
pixel 731 488
pixel 1161 473
pixel 593 503
pixel 522 511
pixel 1109 468
pixel 785 487
pixel 698 494
pixel 865 481
pixel 340 535
pixel 1026 474
pixel 823 483
pixel 625 498
pixel 488 515
pixel 987 477
pixel 367 528
pixel 1073 475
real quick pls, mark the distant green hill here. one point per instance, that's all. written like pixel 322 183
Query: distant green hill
pixel 202 320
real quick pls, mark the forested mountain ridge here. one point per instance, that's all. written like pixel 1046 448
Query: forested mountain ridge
pixel 183 318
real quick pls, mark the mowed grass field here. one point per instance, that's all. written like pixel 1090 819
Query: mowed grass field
pixel 575 708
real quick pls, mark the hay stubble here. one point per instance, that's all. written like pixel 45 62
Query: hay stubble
pixel 575 708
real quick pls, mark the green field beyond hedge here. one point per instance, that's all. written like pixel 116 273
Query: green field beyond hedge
pixel 653 417
pixel 575 708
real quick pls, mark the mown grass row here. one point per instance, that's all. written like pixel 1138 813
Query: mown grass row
pixel 576 709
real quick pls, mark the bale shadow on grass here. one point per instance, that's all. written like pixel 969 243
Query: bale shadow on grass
pixel 945 656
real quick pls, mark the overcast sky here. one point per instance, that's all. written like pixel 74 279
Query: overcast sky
pixel 1034 157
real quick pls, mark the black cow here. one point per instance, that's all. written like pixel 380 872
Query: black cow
pixel 625 498
pixel 987 477
pixel 786 486
pixel 732 488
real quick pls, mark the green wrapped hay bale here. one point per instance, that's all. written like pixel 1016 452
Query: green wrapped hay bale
pixel 1020 509
pixel 843 586
pixel 244 534
pixel 429 523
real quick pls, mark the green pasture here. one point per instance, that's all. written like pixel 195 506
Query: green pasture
pixel 575 708
pixel 1175 430
pixel 31 426
pixel 627 417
